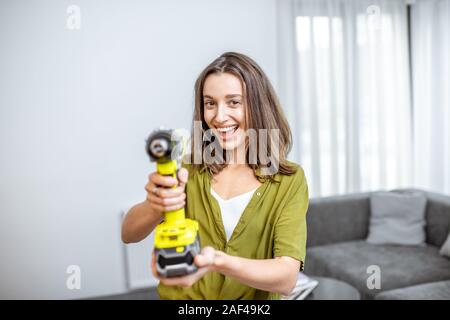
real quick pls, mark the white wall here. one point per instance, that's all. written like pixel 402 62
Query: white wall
pixel 75 109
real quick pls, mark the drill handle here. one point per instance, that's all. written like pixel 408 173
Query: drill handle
pixel 170 169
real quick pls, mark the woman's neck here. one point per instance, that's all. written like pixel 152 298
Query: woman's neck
pixel 236 167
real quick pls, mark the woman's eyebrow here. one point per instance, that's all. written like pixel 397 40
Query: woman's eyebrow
pixel 228 96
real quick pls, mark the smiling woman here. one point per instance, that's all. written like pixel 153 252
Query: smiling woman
pixel 233 95
pixel 252 222
pixel 224 113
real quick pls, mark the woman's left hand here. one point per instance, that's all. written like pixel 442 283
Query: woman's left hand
pixel 204 261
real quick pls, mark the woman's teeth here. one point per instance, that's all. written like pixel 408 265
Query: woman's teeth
pixel 226 129
pixel 227 132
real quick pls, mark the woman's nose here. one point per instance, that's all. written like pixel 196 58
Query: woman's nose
pixel 221 114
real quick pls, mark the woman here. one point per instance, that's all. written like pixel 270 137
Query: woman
pixel 252 218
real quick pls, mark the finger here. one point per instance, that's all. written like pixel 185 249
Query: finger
pixel 163 192
pixel 166 202
pixel 154 199
pixel 149 187
pixel 163 181
pixel 183 175
pixel 201 272
pixel 173 201
pixel 169 208
pixel 205 258
pixel 161 208
pixel 175 207
pixel 170 192
pixel 155 274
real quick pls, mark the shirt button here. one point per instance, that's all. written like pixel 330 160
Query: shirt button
pixel 258 194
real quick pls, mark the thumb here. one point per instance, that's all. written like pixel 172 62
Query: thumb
pixel 182 175
pixel 206 257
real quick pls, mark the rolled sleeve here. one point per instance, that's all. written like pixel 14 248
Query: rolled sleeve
pixel 290 229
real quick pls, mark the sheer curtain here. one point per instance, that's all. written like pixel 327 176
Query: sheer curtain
pixel 430 29
pixel 344 82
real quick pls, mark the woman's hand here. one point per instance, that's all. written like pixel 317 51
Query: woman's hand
pixel 204 261
pixel 161 195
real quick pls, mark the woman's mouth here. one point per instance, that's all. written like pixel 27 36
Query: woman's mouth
pixel 227 133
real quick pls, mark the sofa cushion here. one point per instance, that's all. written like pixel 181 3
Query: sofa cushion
pixel 351 212
pixel 400 266
pixel 397 218
pixel 428 291
pixel 445 249
pixel 438 218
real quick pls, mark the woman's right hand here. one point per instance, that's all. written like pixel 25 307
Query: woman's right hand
pixel 160 192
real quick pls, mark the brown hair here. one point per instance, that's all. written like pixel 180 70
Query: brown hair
pixel 263 110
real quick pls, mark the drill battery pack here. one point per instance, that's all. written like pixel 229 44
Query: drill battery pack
pixel 178 261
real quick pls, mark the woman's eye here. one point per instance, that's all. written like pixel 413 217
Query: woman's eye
pixel 209 103
pixel 235 102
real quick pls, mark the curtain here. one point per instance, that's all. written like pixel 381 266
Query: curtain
pixel 344 83
pixel 430 41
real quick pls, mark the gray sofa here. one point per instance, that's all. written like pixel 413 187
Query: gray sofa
pixel 336 248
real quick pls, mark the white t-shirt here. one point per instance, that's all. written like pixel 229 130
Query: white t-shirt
pixel 232 209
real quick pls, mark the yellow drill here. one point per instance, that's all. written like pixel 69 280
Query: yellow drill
pixel 176 238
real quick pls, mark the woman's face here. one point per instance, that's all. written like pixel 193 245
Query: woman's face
pixel 224 109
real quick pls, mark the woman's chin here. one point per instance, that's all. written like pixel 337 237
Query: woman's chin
pixel 230 145
pixel 227 145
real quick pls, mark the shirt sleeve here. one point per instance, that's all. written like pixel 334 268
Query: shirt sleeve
pixel 290 229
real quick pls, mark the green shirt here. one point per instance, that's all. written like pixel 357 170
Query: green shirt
pixel 272 225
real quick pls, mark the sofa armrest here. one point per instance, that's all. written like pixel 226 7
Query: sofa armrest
pixel 338 219
pixel 437 218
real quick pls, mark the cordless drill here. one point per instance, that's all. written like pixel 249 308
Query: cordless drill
pixel 176 238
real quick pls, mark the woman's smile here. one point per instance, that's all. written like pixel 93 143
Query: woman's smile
pixel 227 132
